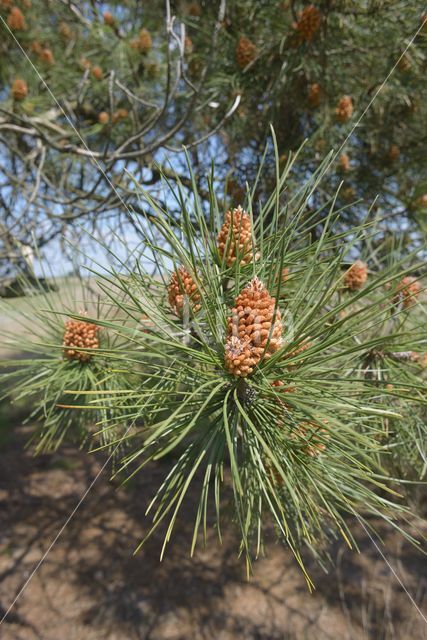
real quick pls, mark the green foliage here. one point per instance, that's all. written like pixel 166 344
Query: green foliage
pixel 52 384
pixel 307 440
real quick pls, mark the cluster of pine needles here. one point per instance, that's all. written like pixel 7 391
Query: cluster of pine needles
pixel 272 358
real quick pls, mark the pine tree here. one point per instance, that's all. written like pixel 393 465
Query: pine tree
pixel 293 382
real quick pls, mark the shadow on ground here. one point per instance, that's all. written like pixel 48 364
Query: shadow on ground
pixel 91 587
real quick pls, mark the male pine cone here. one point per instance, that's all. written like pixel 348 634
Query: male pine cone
pixel 356 276
pixel 19 89
pixel 80 335
pixel 308 23
pixel 408 290
pixel 344 109
pixel 235 238
pixel 254 329
pixel 16 20
pixel 182 291
pixel 245 52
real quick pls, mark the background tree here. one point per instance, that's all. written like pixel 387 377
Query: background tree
pixel 93 90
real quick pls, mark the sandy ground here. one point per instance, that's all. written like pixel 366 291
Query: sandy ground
pixel 91 587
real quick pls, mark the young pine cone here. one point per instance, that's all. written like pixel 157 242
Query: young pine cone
pixel 251 333
pixel 235 238
pixel 356 276
pixel 19 89
pixel 308 24
pixel 314 95
pixel 183 292
pixel 245 52
pixel 81 335
pixel 408 291
pixel 344 109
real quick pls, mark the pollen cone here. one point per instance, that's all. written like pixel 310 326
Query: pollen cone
pixel 407 292
pixel 81 335
pixel 308 23
pixel 16 20
pixel 254 330
pixel 182 291
pixel 245 52
pixel 356 276
pixel 19 89
pixel 344 109
pixel 235 238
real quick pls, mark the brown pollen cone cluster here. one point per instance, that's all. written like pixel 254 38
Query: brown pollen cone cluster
pixel 245 52
pixel 143 42
pixel 16 20
pixel 344 109
pixel 308 24
pixel 19 89
pixel 314 94
pixel 408 290
pixel 356 276
pixel 182 291
pixel 80 335
pixel 251 332
pixel 235 238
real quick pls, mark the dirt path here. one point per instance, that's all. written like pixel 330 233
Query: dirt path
pixel 91 587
